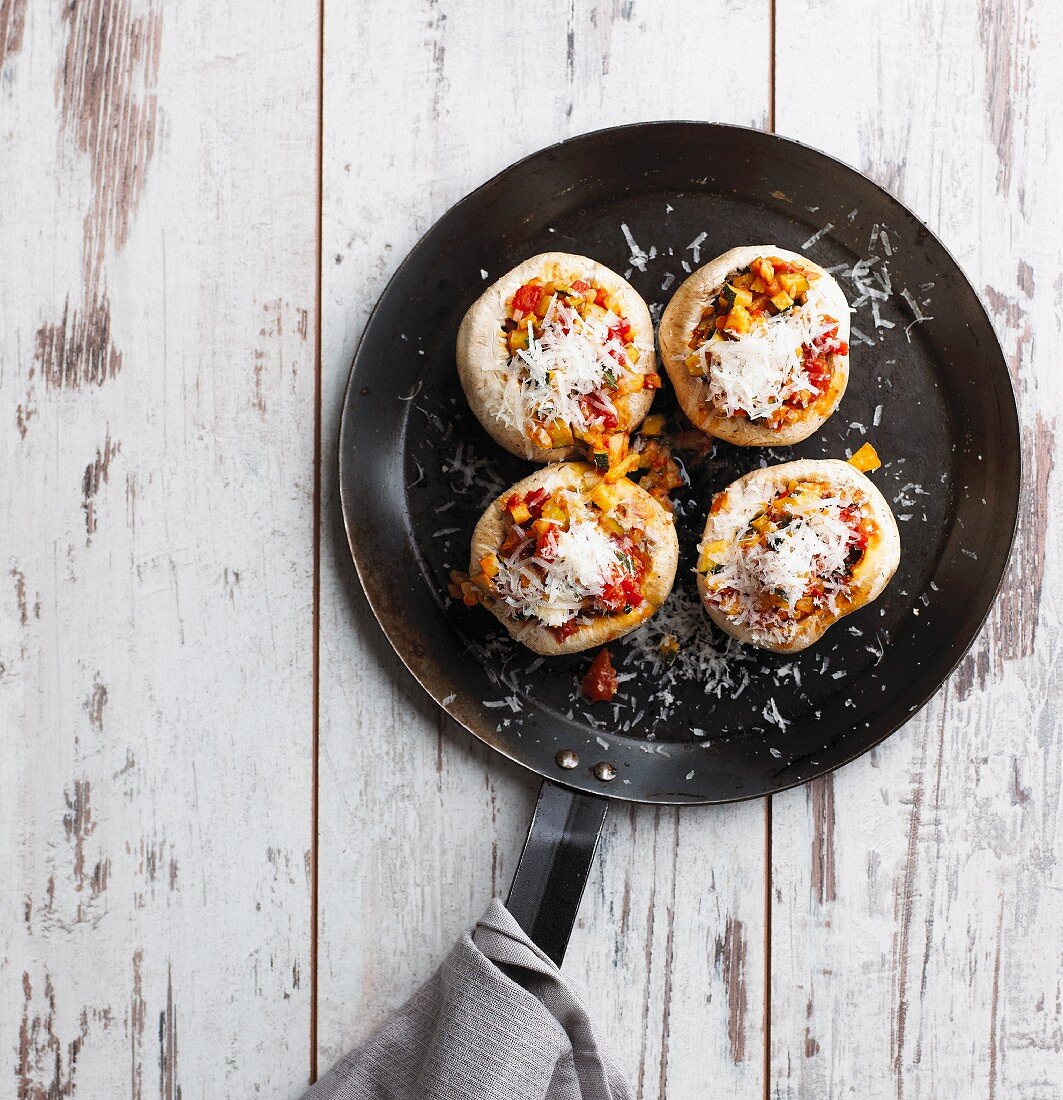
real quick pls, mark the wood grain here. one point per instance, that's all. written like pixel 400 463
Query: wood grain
pixel 930 969
pixel 419 825
pixel 157 615
pixel 156 391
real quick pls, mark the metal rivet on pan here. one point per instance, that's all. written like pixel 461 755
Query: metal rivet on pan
pixel 605 772
pixel 567 759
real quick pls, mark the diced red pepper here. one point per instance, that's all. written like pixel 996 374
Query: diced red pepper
pixel 599 297
pixel 527 297
pixel 565 630
pixel 580 286
pixel 600 683
pixel 535 500
pixel 620 331
pixel 651 382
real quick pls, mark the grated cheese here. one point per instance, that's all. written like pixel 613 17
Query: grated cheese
pixel 569 358
pixel 759 372
pixel 583 561
pixel 812 547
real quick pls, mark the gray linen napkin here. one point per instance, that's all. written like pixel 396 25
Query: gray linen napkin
pixel 496 1022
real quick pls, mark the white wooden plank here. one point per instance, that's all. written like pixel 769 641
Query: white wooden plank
pixel 916 928
pixel 157 166
pixel 418 826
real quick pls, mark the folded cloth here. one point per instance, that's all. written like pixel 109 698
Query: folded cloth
pixel 497 1021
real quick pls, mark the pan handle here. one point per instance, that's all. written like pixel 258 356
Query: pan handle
pixel 555 864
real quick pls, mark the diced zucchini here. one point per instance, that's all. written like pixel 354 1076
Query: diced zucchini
pixel 727 296
pixel 743 298
pixel 782 301
pixel 601 460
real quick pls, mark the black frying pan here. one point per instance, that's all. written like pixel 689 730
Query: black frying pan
pixel 416 470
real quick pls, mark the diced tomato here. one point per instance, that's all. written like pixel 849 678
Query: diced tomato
pixel 620 331
pixel 565 630
pixel 819 374
pixel 599 297
pixel 580 286
pixel 535 501
pixel 612 598
pixel 600 683
pixel 633 591
pixel 546 544
pixel 527 297
pixel 594 410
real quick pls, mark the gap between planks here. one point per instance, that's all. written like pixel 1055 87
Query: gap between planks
pixel 315 659
pixel 772 20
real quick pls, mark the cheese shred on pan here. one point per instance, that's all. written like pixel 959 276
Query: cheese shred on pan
pixel 568 357
pixel 582 562
pixel 812 549
pixel 761 370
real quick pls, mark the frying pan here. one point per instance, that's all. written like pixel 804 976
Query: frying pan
pixel 929 387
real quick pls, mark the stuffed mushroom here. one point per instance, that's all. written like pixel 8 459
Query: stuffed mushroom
pixel 789 550
pixel 756 343
pixel 556 360
pixel 568 558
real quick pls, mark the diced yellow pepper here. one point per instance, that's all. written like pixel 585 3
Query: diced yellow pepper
pixel 519 511
pixel 694 365
pixel 764 269
pixel 560 434
pixel 653 425
pixel 605 496
pixel 632 462
pixel 617 447
pixel 710 552
pixel 632 354
pixel 738 320
pixel 554 511
pixel 866 459
pixel 743 297
pixel 489 565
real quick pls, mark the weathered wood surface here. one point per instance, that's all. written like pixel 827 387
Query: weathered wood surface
pixel 917 929
pixel 158 165
pixel 420 826
pixel 157 387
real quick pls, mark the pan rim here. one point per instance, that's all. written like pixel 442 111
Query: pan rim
pixel 1013 446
